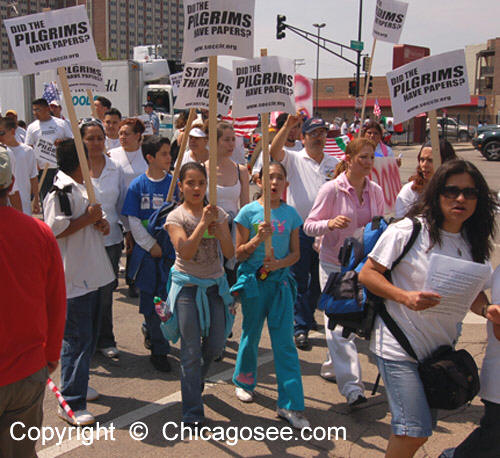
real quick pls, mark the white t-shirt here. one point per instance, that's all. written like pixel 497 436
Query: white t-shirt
pixel 86 263
pixel 111 143
pixel 490 372
pixel 24 169
pixel 109 186
pixel 258 163
pixel 51 130
pixel 405 199
pixel 425 334
pixel 20 134
pixel 306 176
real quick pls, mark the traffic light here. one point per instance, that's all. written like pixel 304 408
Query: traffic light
pixel 370 85
pixel 352 87
pixel 366 63
pixel 280 26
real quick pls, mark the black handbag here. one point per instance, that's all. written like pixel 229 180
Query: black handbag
pixel 450 377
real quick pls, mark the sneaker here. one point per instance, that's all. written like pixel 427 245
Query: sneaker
pixel 301 341
pixel 82 417
pixel 147 339
pixel 294 417
pixel 110 352
pixel 327 374
pixel 92 394
pixel 132 292
pixel 355 399
pixel 243 395
pixel 160 363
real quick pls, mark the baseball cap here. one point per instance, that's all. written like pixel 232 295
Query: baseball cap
pixel 8 112
pixel 55 102
pixel 312 124
pixel 149 104
pixel 5 169
pixel 197 132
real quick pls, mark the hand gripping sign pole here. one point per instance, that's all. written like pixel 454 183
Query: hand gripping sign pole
pixel 367 83
pixel 265 169
pixel 212 129
pixel 61 71
pixel 436 154
pixel 185 137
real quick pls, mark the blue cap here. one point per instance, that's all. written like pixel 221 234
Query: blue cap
pixel 312 124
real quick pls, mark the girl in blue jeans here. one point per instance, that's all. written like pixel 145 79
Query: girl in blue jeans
pixel 198 292
pixel 271 298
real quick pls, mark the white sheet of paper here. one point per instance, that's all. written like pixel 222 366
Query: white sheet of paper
pixel 457 281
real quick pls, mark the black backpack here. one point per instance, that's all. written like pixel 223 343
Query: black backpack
pixel 344 299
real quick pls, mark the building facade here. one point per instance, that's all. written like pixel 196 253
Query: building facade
pixel 117 25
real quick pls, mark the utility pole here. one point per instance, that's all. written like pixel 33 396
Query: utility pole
pixel 319 27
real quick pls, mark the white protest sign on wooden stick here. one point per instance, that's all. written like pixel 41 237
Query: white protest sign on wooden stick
pixel 426 85
pixel 388 24
pixel 49 40
pixel 182 149
pixel 262 85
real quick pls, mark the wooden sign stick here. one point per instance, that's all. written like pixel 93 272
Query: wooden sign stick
pixel 367 83
pixel 436 154
pixel 265 170
pixel 212 129
pixel 91 101
pixel 61 71
pixel 42 178
pixel 185 137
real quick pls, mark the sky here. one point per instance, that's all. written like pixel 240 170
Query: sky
pixel 441 25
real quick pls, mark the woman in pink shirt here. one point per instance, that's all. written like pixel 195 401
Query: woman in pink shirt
pixel 342 206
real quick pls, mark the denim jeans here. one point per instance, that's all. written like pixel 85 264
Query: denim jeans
pixel 106 337
pixel 78 346
pixel 197 353
pixel 306 274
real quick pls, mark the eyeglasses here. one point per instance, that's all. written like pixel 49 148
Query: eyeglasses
pixel 452 192
pixel 2 132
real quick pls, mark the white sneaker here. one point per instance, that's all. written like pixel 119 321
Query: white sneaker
pixel 82 417
pixel 294 417
pixel 92 394
pixel 244 395
pixel 110 352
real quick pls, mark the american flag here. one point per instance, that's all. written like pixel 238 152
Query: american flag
pixel 243 127
pixel 376 109
pixel 336 146
pixel 50 92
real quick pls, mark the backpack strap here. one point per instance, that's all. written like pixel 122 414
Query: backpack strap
pixel 384 314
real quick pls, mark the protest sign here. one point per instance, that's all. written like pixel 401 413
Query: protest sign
pixel 218 27
pixel 385 172
pixel 45 152
pixel 428 84
pixel 175 81
pixel 390 16
pixel 85 76
pixel 147 123
pixel 51 39
pixel 304 95
pixel 262 85
pixel 194 88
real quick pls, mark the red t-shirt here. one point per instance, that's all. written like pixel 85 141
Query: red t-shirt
pixel 32 298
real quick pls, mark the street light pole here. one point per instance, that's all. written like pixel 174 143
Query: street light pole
pixel 319 27
pixel 358 66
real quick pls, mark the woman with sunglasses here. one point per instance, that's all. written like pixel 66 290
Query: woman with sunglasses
pixel 457 213
pixel 412 190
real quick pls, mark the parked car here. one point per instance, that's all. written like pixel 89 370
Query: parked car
pixel 487 141
pixel 452 129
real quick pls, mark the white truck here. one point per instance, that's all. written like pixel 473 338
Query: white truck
pixel 129 84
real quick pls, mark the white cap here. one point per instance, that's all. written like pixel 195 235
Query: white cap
pixel 197 132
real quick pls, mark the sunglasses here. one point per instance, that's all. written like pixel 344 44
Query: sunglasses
pixel 452 192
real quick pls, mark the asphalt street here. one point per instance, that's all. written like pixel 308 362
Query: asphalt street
pixel 132 391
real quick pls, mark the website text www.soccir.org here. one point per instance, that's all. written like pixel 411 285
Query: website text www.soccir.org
pixel 231 435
